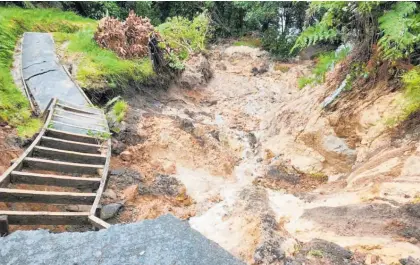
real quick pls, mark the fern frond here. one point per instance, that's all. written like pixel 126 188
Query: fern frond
pixel 322 31
pixel 397 26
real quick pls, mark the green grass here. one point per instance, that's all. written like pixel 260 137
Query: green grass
pixel 316 253
pixel 325 62
pixel 99 68
pixel 14 106
pixel 120 109
pixel 248 41
pixel 409 101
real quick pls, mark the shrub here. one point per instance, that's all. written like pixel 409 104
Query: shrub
pixel 120 109
pixel 128 39
pixel 184 37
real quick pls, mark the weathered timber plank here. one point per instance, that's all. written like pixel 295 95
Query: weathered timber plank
pixel 98 223
pixel 59 166
pixel 80 122
pixel 80 109
pixel 77 129
pixel 75 137
pixel 70 145
pixel 54 180
pixel 68 156
pixel 76 115
pixel 103 180
pixel 53 197
pixel 46 218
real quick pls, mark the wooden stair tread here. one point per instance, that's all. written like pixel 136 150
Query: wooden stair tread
pixel 73 137
pixel 53 180
pixel 78 121
pixel 63 163
pixel 70 145
pixel 60 166
pixel 80 109
pixel 53 197
pixel 45 218
pixel 78 127
pixel 66 113
pixel 66 155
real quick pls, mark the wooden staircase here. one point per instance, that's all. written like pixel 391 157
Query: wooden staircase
pixel 72 150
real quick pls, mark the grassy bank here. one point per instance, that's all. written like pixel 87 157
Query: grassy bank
pixel 100 69
pixel 14 106
pixel 96 68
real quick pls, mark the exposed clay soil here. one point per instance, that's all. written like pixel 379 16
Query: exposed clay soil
pixel 260 168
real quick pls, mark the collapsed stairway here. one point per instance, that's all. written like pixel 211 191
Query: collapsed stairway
pixel 72 151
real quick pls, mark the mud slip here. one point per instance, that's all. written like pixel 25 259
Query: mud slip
pixel 259 167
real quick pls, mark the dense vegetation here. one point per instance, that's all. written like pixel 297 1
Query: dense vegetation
pixel 373 34
pixel 383 34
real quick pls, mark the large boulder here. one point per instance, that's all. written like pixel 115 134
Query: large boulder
pixel 197 72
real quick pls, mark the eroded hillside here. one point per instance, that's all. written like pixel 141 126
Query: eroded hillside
pixel 258 166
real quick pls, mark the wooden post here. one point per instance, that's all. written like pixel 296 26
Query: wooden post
pixel 4 225
pixel 98 215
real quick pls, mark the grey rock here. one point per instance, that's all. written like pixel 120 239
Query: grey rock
pixel 278 173
pixel 409 232
pixel 163 241
pixel 413 209
pixel 162 185
pixel 269 252
pixel 332 252
pixel 332 143
pixel 410 261
pixel 118 147
pixel 110 210
pixel 187 125
pixel 124 177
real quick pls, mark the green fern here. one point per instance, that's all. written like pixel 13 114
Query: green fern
pixel 400 27
pixel 325 63
pixel 322 31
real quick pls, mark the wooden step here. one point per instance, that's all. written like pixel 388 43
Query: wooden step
pixel 76 115
pixel 54 180
pixel 54 133
pixel 46 218
pixel 80 109
pixel 68 156
pixel 80 122
pixel 77 129
pixel 59 166
pixel 70 145
pixel 53 197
